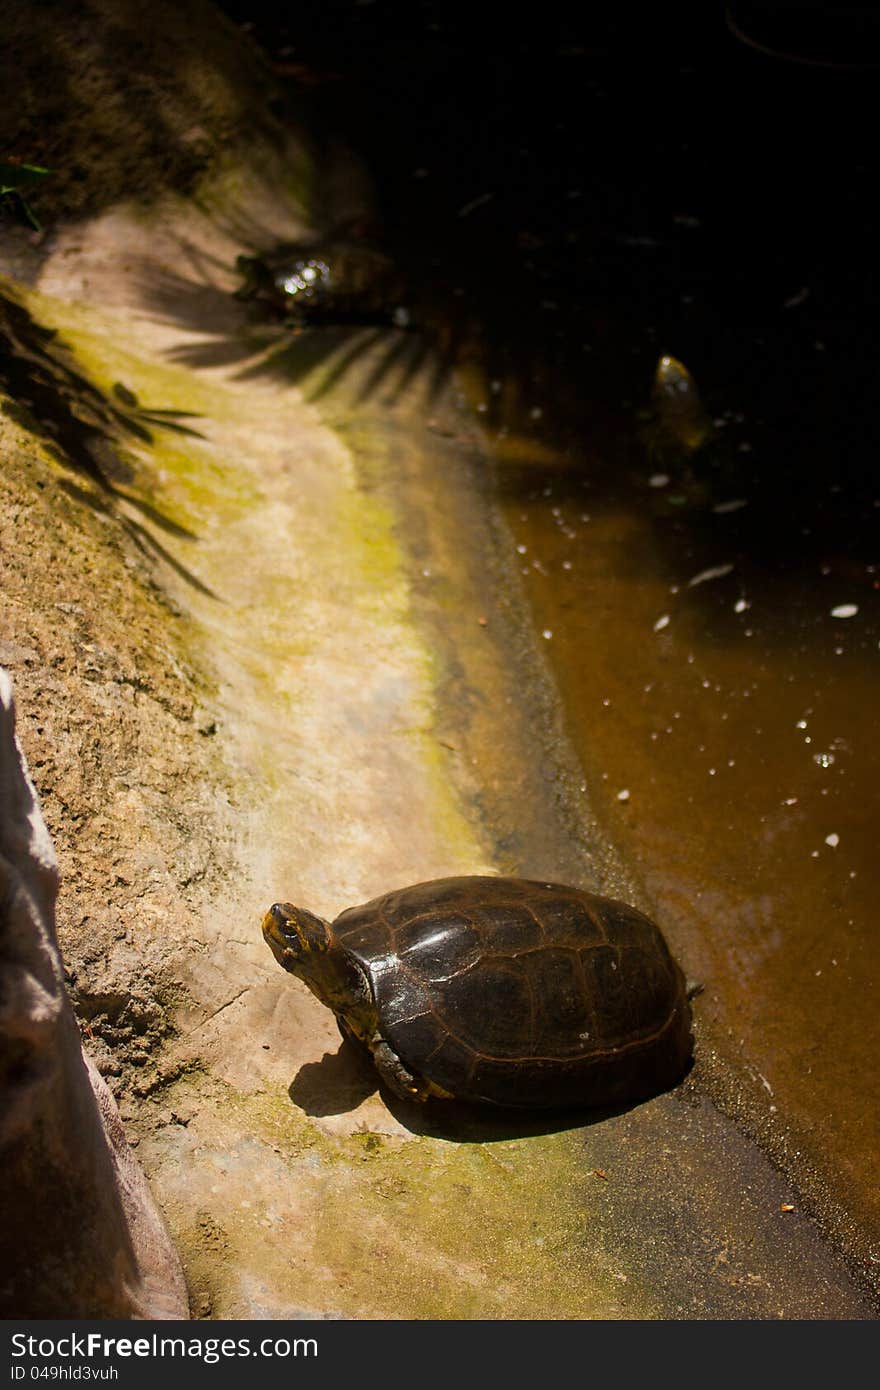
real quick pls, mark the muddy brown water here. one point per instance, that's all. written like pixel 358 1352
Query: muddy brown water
pixel 726 723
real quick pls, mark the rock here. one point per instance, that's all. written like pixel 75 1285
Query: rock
pixel 80 1235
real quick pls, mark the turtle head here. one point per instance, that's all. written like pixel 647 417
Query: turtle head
pixel 304 944
pixel 295 937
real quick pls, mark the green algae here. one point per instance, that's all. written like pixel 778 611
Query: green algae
pixel 185 478
pixel 457 1229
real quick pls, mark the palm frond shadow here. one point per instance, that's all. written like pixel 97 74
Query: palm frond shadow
pixel 360 354
pixel 81 427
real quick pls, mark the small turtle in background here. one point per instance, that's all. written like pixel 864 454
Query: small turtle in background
pixel 679 424
pixel 498 991
pixel 344 278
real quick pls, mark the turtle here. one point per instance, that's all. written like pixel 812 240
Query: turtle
pixel 334 280
pixel 498 991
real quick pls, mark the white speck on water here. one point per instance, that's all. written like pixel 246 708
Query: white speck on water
pixel 716 572
pixel 566 564
pixel 801 724
pixel 790 801
pixel 535 413
pixel 722 508
pixel 832 840
pixel 845 610
pixel 658 480
pixel 547 634
pixel 623 795
pixel 521 550
pixel 661 622
pixel 741 605
pixel 814 854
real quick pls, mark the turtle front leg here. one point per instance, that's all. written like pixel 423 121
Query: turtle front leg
pixel 395 1075
pixel 398 1079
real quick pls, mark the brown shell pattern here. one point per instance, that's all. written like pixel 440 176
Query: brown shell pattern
pixel 523 993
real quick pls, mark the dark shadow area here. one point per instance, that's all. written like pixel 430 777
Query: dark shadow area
pixel 82 427
pixel 113 106
pixel 569 200
pixel 341 1081
pixel 473 1124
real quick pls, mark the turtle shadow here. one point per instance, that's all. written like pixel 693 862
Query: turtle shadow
pixel 462 1123
pixel 342 1080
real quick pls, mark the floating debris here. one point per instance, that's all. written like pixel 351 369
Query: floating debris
pixel 734 505
pixel 845 610
pixel 796 299
pixel 658 480
pixel 832 840
pixel 661 623
pixel 623 795
pixel 716 572
pixel 474 204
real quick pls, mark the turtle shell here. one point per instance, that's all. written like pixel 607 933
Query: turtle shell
pixel 328 281
pixel 516 992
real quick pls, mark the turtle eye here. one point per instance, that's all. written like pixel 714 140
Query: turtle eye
pixel 280 920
